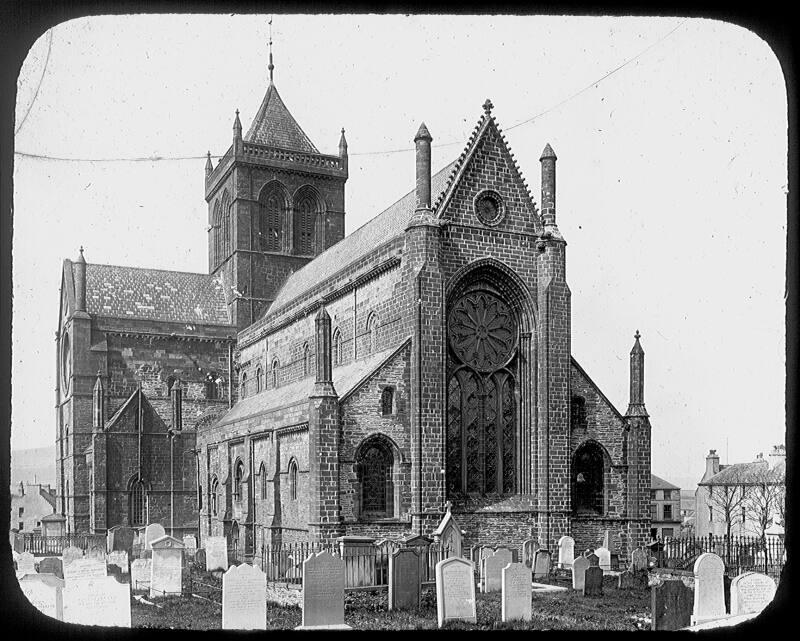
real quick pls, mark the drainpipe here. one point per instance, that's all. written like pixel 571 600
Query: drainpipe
pixel 171 437
pixel 419 398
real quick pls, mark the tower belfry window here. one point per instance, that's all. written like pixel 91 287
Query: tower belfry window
pixel 272 208
pixel 305 217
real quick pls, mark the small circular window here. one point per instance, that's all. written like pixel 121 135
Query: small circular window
pixel 66 362
pixel 489 207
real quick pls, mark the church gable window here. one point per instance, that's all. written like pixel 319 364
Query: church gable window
pixel 387 401
pixel 481 437
pixel 272 211
pixel 588 479
pixel 306 208
pixel 374 468
pixel 577 410
pixel 137 502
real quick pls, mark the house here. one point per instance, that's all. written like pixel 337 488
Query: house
pixel 31 503
pixel 665 508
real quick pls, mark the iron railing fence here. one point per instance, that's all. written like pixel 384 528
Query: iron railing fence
pixel 38 544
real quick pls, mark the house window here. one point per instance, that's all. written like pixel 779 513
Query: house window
pixel 293 480
pixel 237 480
pixel 337 347
pixel 137 502
pixel 667 512
pixel 213 496
pixel 577 408
pixel 744 514
pixel 667 532
pixel 374 471
pixel 653 512
pixel 589 478
pixel 21 526
pixel 258 379
pixel 275 367
pixel 262 474
pixel 387 401
pixel 21 510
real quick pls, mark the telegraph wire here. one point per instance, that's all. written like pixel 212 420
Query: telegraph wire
pixel 156 158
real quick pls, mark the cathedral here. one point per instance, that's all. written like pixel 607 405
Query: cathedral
pixel 314 384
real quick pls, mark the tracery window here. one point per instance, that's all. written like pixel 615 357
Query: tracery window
pixel 137 500
pixel 305 217
pixel 262 475
pixel 588 472
pixel 274 372
pixel 293 480
pixel 481 401
pixel 374 469
pixel 237 480
pixel 272 207
pixel 306 360
pixel 259 378
pixel 337 347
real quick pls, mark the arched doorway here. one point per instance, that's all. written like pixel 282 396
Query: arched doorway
pixel 588 479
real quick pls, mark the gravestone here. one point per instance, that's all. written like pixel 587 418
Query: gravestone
pixel 140 573
pixel 216 553
pixel 566 551
pixel 404 579
pixel 118 558
pixel 516 592
pixel 493 570
pixel 529 548
pixel 244 598
pixel 84 570
pixel 96 553
pixel 323 592
pixel 120 538
pixel 604 556
pixel 70 554
pixel 422 544
pixel 455 591
pixel 593 581
pixel 44 593
pixel 541 564
pixel 633 580
pixel 594 560
pixel 606 543
pixel 52 565
pixel 101 601
pixel 709 597
pixel 670 606
pixel 190 543
pixel 579 566
pixel 639 560
pixel 200 557
pixel 152 532
pixel 449 533
pixel 512 551
pixel 167 566
pixel 25 563
pixel 751 592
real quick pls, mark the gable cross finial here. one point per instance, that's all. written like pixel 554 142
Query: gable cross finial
pixel 270 66
pixel 487 107
pixel 637 335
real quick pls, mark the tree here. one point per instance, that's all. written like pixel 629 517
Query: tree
pixel 765 496
pixel 728 500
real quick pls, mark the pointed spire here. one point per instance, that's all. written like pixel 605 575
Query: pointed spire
pixel 548 161
pixel 548 152
pixel 79 276
pixel 342 144
pixel 80 258
pixel 423 133
pixel 237 126
pixel 636 405
pixel 209 164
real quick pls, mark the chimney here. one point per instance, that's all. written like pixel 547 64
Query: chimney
pixel 712 464
pixel 423 143
pixel 79 267
pixel 777 456
pixel 548 160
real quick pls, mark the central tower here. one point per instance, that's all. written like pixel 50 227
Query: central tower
pixel 274 203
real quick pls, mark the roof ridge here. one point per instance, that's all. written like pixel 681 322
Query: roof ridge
pixel 154 269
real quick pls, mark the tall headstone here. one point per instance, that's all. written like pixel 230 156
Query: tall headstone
pixel 455 591
pixel 516 592
pixel 44 593
pixel 101 601
pixel 244 598
pixel 25 563
pixel 541 564
pixel 670 606
pixel 709 595
pixel 633 580
pixel 190 543
pixel 751 592
pixel 579 566
pixel 606 542
pixel 200 557
pixel 529 548
pixel 141 570
pixel 493 569
pixel 404 579
pixel 323 592
pixel 594 560
pixel 167 566
pixel 216 553
pixel 604 555
pixel 593 581
pixel 84 570
pixel 52 565
pixel 566 552
pixel 119 558
pixel 639 560
pixel 152 532
pixel 449 534
pixel 120 538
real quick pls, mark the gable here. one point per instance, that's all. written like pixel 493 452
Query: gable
pixel 604 423
pixel 125 418
pixel 67 302
pixel 487 170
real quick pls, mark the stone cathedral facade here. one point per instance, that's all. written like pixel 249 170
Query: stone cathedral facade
pixel 334 385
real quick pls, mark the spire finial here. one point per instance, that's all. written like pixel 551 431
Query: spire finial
pixel 637 335
pixel 487 107
pixel 270 66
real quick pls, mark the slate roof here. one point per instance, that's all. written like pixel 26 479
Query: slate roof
pixel 743 473
pixel 657 483
pixel 346 378
pixel 273 125
pixel 382 228
pixel 155 294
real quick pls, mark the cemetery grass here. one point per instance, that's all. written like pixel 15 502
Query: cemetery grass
pixel 369 610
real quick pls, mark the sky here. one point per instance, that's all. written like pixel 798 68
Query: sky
pixel 671 137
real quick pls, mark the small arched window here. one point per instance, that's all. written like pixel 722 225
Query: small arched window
pixel 306 360
pixel 216 235
pixel 237 480
pixel 226 226
pixel 213 383
pixel 374 467
pixel 371 338
pixel 274 373
pixel 293 480
pixel 262 474
pixel 259 378
pixel 213 496
pixel 243 385
pixel 387 401
pixel 137 502
pixel 337 347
